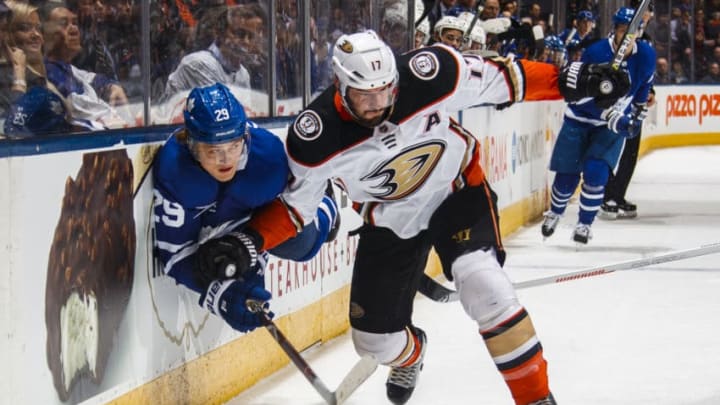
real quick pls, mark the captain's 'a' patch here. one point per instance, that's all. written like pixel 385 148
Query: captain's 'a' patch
pixel 425 65
pixel 308 125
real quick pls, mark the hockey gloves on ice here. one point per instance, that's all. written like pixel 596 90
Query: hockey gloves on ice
pixel 228 299
pixel 227 257
pixel 600 81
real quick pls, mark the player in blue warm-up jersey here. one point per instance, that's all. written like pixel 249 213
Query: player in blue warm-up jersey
pixel 209 178
pixel 592 135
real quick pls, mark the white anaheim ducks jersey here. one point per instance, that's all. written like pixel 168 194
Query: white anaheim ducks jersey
pixel 399 172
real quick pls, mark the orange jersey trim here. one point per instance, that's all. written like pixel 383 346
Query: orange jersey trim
pixel 541 81
pixel 274 223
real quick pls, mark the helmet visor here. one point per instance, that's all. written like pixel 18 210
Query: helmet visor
pixel 373 99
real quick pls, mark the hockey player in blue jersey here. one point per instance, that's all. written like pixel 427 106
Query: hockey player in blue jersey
pixel 582 32
pixel 592 135
pixel 209 178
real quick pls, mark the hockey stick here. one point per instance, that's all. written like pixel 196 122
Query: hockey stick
pixel 632 31
pixel 362 370
pixel 627 265
pixel 432 289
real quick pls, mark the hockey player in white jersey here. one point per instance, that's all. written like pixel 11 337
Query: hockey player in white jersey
pixel 593 135
pixel 385 134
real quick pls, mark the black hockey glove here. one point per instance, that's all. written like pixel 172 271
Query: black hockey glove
pixel 227 257
pixel 599 81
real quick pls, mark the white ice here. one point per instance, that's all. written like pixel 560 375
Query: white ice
pixel 648 336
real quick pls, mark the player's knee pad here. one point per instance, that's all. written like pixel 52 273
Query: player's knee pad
pixel 486 292
pixel 385 347
pixel 566 183
pixel 595 172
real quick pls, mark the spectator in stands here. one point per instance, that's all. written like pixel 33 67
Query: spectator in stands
pixel 13 62
pixel 491 9
pixel 24 33
pixel 662 71
pixel 94 56
pixel 535 13
pixel 40 112
pixel 713 75
pixel 439 10
pixel 393 29
pixel 509 8
pixel 463 6
pixel 221 62
pixel 91 96
pixel 712 28
pixel 253 41
pixel 678 74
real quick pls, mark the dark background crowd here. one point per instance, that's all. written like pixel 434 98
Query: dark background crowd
pixel 80 65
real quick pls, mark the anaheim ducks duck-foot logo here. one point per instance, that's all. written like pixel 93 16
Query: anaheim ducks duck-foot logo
pixel 346 46
pixel 406 172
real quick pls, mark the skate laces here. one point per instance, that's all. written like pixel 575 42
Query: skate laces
pixel 407 376
pixel 551 220
pixel 583 230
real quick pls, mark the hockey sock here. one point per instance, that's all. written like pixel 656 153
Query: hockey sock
pixel 517 353
pixel 595 176
pixel 562 189
pixel 411 354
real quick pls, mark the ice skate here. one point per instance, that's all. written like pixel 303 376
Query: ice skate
pixel 582 233
pixel 626 209
pixel 550 223
pixel 402 380
pixel 548 400
pixel 609 210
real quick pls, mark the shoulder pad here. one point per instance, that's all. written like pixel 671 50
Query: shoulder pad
pixel 319 133
pixel 266 173
pixel 422 80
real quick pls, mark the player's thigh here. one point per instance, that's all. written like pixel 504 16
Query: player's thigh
pixel 570 146
pixel 606 145
pixel 385 279
pixel 465 222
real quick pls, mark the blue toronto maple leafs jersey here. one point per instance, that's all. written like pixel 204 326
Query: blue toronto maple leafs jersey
pixel 190 206
pixel 641 68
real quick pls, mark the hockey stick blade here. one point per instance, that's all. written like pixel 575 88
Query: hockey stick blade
pixel 362 370
pixel 627 265
pixel 432 289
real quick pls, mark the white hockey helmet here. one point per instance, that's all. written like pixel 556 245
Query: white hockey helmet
pixel 364 62
pixel 424 27
pixel 477 35
pixel 450 22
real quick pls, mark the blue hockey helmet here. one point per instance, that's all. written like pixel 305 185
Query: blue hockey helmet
pixel 37 112
pixel 554 43
pixel 213 115
pixel 585 15
pixel 623 16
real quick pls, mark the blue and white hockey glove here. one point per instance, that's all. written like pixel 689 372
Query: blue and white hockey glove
pixel 226 257
pixel 228 300
pixel 627 125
